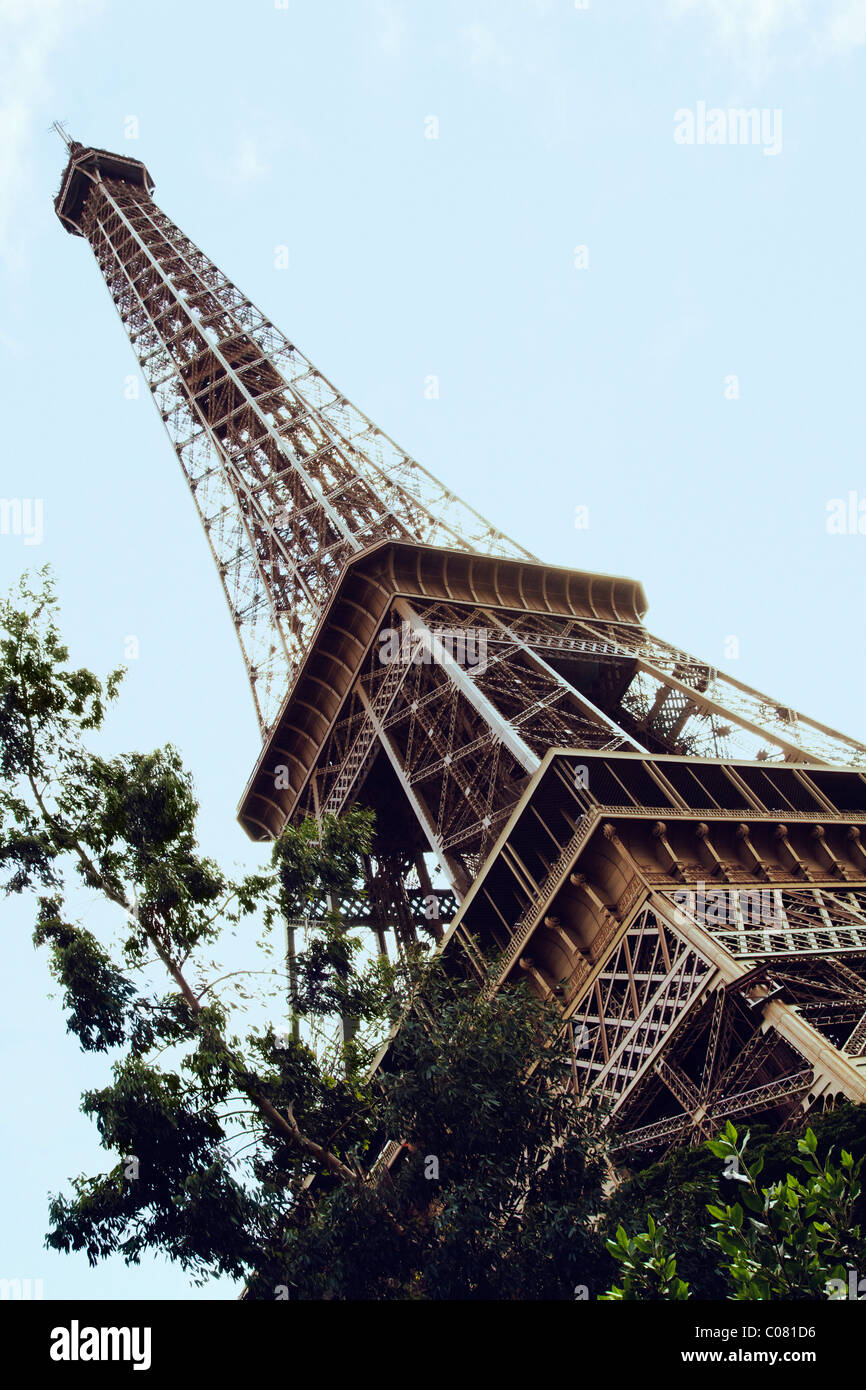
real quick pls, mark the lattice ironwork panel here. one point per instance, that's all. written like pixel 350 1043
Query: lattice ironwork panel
pixel 756 726
pixel 762 921
pixel 644 988
pixel 721 1064
pixel 288 477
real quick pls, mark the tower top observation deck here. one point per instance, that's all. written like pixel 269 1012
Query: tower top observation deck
pixel 88 166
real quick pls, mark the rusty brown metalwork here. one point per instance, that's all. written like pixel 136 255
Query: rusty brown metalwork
pixel 677 859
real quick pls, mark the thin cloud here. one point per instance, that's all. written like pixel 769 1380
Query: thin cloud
pixel 247 164
pixel 30 36
pixel 847 28
pixel 254 152
pixel 482 48
pixel 11 345
pixel 759 34
pixel 393 27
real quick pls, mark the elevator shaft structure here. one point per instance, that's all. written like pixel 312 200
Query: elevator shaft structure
pixel 608 811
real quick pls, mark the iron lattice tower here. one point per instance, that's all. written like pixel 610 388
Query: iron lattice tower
pixel 673 856
pixel 290 480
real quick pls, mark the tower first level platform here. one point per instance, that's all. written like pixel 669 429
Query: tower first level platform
pixel 437 681
pixel 702 925
pixel 676 859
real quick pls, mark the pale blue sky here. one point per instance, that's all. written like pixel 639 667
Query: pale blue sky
pixel 409 257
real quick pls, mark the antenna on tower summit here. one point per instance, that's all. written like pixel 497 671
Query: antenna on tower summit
pixel 60 127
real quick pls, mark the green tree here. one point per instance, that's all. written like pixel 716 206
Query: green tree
pixel 249 1156
pixel 498 1179
pixel 793 1239
pixel 676 1189
pixel 674 1193
pixel 185 1091
pixel 649 1270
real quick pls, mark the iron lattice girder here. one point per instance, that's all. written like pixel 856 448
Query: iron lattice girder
pixel 740 836
pixel 589 863
pixel 627 1010
pixel 289 478
pixel 757 1070
pixel 784 1092
pixel 456 736
pixel 708 695
pixel 829 991
pixel 589 899
pixel 344 654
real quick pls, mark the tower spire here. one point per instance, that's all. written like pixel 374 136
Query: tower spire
pixel 290 479
pixel 60 128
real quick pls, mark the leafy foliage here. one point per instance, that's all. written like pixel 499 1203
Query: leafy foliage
pixel 793 1239
pixel 649 1271
pixel 790 1239
pixel 253 1156
pixel 676 1191
pixel 250 1156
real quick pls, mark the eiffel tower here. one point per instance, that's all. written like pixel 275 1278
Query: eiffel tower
pixel 678 860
